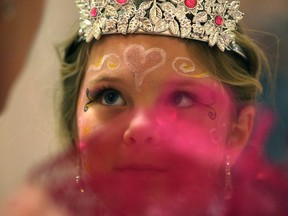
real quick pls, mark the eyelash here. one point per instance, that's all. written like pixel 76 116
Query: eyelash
pixel 97 94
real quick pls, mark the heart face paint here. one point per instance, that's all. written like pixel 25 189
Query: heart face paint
pixel 141 62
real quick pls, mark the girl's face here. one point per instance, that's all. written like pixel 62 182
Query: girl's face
pixel 152 126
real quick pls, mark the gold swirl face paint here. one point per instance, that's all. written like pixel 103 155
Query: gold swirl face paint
pixel 141 62
pixel 185 66
pixel 111 61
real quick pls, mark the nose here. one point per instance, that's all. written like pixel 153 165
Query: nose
pixel 142 129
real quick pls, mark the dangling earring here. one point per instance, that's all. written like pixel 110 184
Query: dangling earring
pixel 228 179
pixel 78 178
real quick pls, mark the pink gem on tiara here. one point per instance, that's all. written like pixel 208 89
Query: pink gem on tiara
pixel 191 3
pixel 121 1
pixel 219 20
pixel 93 12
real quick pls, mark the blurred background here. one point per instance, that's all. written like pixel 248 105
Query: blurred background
pixel 28 128
pixel 268 23
pixel 27 121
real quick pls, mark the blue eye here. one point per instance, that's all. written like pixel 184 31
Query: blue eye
pixel 111 98
pixel 182 99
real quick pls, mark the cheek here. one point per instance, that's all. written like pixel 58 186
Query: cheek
pixel 199 139
pixel 195 142
pixel 192 135
pixel 85 129
pixel 194 158
pixel 99 150
pixel 220 131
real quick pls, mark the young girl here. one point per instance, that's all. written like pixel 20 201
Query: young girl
pixel 159 103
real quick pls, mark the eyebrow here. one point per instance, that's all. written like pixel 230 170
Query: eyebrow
pixel 105 79
pixel 184 83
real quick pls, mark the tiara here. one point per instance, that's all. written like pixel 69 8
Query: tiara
pixel 212 21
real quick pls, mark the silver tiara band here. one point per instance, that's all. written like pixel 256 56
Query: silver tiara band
pixel 211 21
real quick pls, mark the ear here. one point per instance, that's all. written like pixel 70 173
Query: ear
pixel 240 133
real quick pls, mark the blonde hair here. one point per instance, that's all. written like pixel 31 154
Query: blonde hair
pixel 240 75
pixel 73 57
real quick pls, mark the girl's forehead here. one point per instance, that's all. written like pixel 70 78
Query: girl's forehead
pixel 116 43
pixel 141 59
pixel 133 48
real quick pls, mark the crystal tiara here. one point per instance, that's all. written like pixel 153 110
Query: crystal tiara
pixel 212 21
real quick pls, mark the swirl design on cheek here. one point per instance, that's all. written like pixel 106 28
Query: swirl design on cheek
pixel 112 62
pixel 212 112
pixel 185 66
pixel 86 107
pixel 141 62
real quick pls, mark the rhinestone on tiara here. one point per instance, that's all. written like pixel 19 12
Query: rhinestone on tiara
pixel 212 21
